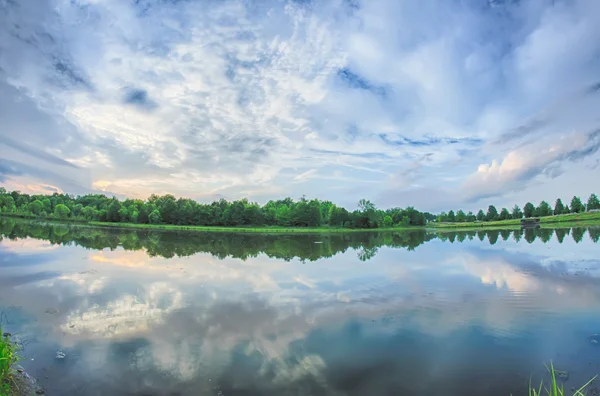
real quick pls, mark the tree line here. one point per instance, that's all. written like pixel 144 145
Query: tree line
pixel 167 209
pixel 303 247
pixel 529 210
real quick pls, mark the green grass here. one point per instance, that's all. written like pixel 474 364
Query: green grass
pixel 554 388
pixel 282 230
pixel 582 219
pixel 8 358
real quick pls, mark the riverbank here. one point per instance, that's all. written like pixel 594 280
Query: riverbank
pixel 580 219
pixel 575 219
pixel 14 381
pixel 263 230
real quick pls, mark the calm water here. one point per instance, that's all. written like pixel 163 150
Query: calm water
pixel 157 313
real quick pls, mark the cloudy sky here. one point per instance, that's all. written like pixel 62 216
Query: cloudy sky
pixel 434 103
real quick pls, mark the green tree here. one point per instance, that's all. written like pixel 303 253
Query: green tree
pixel 577 205
pixel 529 210
pixel 516 212
pixel 593 202
pixel 388 222
pixel 461 217
pixel 480 215
pixel 543 209
pixel 566 210
pixel 559 208
pixel 471 217
pixel 61 211
pixel 504 214
pixel 36 207
pixel 283 216
pixel 112 213
pixel 442 217
pixel 155 217
pixel 492 213
pixel 451 216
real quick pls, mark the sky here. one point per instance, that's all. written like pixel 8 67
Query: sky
pixel 437 104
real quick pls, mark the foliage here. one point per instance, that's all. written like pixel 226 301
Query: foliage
pixel 559 208
pixel 556 389
pixel 529 210
pixel 492 213
pixel 576 205
pixel 169 210
pixel 62 211
pixel 8 358
pixel 543 209
pixel 593 203
pixel 516 212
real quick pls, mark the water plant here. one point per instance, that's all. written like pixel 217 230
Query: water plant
pixel 8 358
pixel 554 388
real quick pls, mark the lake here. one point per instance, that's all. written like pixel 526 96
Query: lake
pixel 126 312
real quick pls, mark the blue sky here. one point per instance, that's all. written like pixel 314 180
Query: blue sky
pixel 436 104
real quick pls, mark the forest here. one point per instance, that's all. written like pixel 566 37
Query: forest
pixel 529 210
pixel 167 209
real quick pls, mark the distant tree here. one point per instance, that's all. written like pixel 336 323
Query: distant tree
pixel 112 213
pixel 442 217
pixel 388 222
pixel 365 205
pixel 283 216
pixel 577 205
pixel 471 217
pixel 480 215
pixel 516 212
pixel 543 209
pixel 461 217
pixel 451 216
pixel 36 207
pixel 559 208
pixel 504 214
pixel 593 202
pixel 492 213
pixel 62 211
pixel 529 210
pixel 155 217
pixel 566 210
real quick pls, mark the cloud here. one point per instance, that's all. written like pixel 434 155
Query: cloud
pixel 519 166
pixel 234 98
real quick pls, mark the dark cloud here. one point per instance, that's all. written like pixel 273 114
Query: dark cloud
pixel 140 98
pixel 354 80
pixel 67 75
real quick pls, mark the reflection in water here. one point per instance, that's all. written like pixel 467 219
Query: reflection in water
pixel 149 313
pixel 309 247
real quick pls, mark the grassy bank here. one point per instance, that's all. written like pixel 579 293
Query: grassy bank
pixel 8 358
pixel 583 219
pixel 275 230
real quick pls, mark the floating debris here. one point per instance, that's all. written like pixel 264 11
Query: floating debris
pixel 562 374
pixel 51 311
pixel 595 338
pixel 61 355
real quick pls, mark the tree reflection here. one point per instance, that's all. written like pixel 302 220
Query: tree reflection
pixel 305 247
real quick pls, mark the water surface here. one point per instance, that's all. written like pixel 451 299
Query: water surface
pixel 404 313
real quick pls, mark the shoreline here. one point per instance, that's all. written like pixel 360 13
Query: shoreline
pixel 579 219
